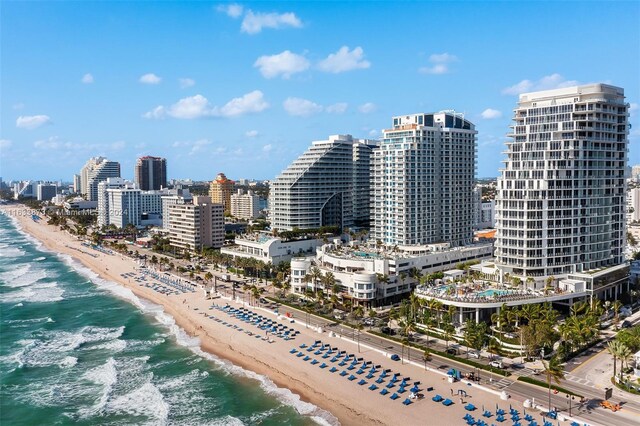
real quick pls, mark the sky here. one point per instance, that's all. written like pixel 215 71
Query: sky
pixel 244 88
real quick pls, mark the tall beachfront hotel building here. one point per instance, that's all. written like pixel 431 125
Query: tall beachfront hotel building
pixel 328 185
pixel 423 177
pixel 96 170
pixel 560 203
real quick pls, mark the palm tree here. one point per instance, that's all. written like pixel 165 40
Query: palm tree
pixel 426 356
pixel 614 348
pixel 405 341
pixel 359 327
pixel 616 311
pixel 409 327
pixel 315 274
pixel 625 356
pixel 372 315
pixel 358 312
pixel 553 370
pixel 448 333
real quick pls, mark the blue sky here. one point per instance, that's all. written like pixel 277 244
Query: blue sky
pixel 243 88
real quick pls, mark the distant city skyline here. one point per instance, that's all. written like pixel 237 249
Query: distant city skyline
pixel 244 88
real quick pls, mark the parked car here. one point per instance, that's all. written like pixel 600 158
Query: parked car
pixel 474 354
pixel 369 321
pixel 625 324
pixel 395 357
pixel 452 351
pixel 496 364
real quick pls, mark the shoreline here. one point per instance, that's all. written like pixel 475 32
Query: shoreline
pixel 349 403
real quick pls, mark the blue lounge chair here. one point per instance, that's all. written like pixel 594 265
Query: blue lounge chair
pixel 351 367
pixel 369 376
pixel 414 389
pixel 401 389
pixel 406 401
pixel 394 396
pixel 487 414
pixel 373 387
pixel 352 377
pixel 314 362
pixel 362 382
pixel 333 369
pixel 293 351
pixel 384 391
pixel 390 385
pixel 300 354
pixel 334 359
pixel 437 398
pixel 447 402
pixel 529 417
pixel 360 371
pixel 323 365
pixel 469 407
pixel 500 418
pixel 380 380
pixel 343 373
pixel 342 363
pixel 306 358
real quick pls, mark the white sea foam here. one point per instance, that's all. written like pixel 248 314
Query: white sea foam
pixel 22 276
pixel 28 321
pixel 41 292
pixel 105 376
pixel 144 401
pixel 54 347
pixel 11 252
pixel 40 259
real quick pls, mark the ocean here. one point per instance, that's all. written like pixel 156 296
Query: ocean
pixel 76 349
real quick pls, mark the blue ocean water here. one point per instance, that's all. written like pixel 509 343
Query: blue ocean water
pixel 75 349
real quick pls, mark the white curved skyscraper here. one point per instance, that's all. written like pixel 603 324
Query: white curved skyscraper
pixel 328 185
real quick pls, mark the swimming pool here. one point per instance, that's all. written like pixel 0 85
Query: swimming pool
pixel 493 292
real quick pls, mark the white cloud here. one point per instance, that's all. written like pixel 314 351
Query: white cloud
pixel 633 107
pixel 251 133
pixel 87 78
pixel 186 82
pixel 252 102
pixel 301 107
pixel 442 58
pixel 118 145
pixel 284 64
pixel 367 108
pixel 253 23
pixel 374 133
pixel 52 142
pixel 150 78
pixel 191 107
pixel 337 108
pixel 436 69
pixel 267 148
pixel 233 10
pixel 490 113
pixel 440 63
pixel 5 143
pixel 199 107
pixel 344 60
pixel 19 105
pixel 193 147
pixel 553 81
pixel 32 121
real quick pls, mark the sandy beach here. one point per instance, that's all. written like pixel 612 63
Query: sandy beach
pixel 351 403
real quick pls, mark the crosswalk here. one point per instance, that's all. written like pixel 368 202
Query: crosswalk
pixel 581 380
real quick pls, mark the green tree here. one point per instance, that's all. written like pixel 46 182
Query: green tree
pixel 614 348
pixel 359 327
pixel 553 371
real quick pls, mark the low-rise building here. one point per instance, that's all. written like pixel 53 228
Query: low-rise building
pixel 374 276
pixel 269 249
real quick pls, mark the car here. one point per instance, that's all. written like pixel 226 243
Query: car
pixel 452 351
pixel 496 364
pixel 368 321
pixel 388 330
pixel 263 300
pixel 395 357
pixel 474 354
pixel 625 324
